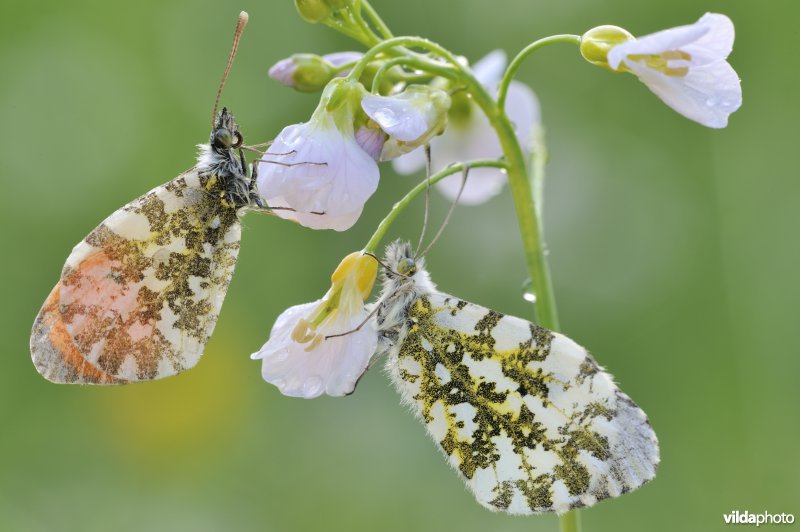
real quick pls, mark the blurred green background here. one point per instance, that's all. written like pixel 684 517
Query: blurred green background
pixel 674 251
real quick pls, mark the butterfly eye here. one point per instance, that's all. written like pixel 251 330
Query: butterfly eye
pixel 223 138
pixel 407 267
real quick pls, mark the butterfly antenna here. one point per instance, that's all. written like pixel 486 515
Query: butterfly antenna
pixel 464 175
pixel 427 197
pixel 241 22
pixel 379 261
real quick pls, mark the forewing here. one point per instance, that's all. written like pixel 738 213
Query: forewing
pixel 525 415
pixel 139 297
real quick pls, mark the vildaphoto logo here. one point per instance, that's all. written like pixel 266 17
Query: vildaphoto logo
pixel 765 518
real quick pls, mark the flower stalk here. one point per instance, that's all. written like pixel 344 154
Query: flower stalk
pixel 400 206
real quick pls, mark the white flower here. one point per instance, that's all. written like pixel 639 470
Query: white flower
pixel 410 118
pixel 329 177
pixel 686 67
pixel 301 360
pixel 470 136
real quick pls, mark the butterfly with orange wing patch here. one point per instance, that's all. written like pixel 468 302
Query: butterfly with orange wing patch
pixel 139 297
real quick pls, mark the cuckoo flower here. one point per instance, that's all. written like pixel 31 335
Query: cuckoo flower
pixel 687 68
pixel 314 348
pixel 470 136
pixel 319 169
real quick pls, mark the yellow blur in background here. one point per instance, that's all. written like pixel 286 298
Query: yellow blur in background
pixel 673 248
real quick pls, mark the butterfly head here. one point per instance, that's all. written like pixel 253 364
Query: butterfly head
pixel 219 156
pixel 407 266
pixel 225 136
pixel 403 270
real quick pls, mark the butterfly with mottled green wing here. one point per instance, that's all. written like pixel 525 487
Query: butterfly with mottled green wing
pixel 524 414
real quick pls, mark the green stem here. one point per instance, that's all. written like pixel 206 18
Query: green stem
pixel 376 20
pixel 527 216
pixel 350 32
pixel 384 68
pixel 537 160
pixel 394 47
pixel 398 207
pixel 570 521
pixel 513 67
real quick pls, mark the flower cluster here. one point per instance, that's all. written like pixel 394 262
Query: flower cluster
pixel 386 104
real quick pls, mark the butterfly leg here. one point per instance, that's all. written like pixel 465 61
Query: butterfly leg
pixel 255 197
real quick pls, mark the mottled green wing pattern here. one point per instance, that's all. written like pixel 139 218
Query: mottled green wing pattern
pixel 524 414
pixel 139 297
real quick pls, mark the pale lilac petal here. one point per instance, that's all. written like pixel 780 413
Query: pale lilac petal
pixel 717 43
pixel 480 142
pixel 698 82
pixel 332 367
pixel 371 141
pixel 283 72
pixel 331 173
pixel 313 220
pixel 489 69
pixel 707 94
pixel 482 185
pixel 397 115
pixel 340 58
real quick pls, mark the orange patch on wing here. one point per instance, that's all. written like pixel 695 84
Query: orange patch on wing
pixel 78 369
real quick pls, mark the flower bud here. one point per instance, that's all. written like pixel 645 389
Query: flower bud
pixel 339 4
pixel 361 269
pixel 303 72
pixel 597 42
pixel 313 10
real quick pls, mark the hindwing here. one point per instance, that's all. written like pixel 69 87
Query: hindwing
pixel 525 415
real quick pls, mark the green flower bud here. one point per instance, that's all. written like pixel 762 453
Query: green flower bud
pixel 313 10
pixel 339 4
pixel 303 72
pixel 312 72
pixel 597 42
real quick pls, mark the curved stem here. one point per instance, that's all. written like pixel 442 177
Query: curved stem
pixel 513 67
pixel 398 207
pixel 394 47
pixel 384 68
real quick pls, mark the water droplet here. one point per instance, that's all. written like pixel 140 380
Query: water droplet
pixel 711 102
pixel 529 296
pixel 527 291
pixel 312 387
